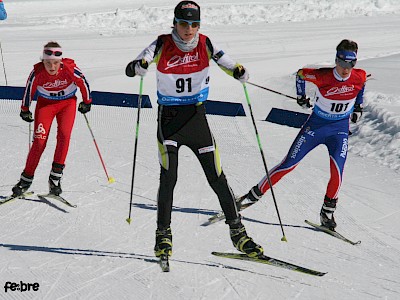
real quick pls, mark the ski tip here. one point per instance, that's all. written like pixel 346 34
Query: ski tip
pixel 111 180
pixel 164 263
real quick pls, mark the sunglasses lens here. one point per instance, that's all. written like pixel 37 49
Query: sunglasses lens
pixel 50 52
pixel 187 24
pixel 348 64
pixel 183 23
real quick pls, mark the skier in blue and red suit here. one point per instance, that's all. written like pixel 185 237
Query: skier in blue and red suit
pixel 3 13
pixel 339 98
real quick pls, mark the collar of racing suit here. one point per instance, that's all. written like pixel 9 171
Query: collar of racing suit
pixel 181 44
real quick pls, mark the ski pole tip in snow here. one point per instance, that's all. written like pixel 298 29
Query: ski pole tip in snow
pixel 283 239
pixel 129 221
pixel 111 180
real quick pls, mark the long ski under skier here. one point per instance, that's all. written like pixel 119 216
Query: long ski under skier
pixel 55 197
pixel 263 259
pixel 332 233
pixel 13 197
pixel 164 263
pixel 241 203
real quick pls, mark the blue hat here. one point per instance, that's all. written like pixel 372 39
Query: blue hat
pixel 346 55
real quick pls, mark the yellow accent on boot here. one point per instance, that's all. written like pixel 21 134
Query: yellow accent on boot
pixel 164 248
pixel 240 245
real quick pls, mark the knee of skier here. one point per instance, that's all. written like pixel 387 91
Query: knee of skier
pixel 216 181
pixel 168 178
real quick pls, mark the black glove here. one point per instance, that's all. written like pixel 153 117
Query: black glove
pixel 240 73
pixel 137 67
pixel 84 107
pixel 26 116
pixel 357 113
pixel 303 101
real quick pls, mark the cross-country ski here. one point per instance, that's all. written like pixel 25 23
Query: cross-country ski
pixel 58 198
pixel 269 261
pixel 332 233
pixel 12 197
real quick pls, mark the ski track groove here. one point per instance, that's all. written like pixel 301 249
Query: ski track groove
pixel 84 284
pixel 54 285
pixel 231 285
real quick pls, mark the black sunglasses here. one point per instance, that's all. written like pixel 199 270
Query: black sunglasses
pixel 347 64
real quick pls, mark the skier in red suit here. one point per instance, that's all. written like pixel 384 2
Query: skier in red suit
pixel 55 81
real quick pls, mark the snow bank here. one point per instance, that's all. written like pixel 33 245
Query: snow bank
pixel 377 135
pixel 155 18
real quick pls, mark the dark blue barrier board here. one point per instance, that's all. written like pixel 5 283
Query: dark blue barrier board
pixel 131 100
pixel 287 117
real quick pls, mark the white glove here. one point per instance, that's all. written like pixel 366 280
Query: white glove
pixel 357 113
pixel 141 67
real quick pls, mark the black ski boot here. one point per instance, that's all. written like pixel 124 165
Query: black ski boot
pixel 242 241
pixel 326 214
pixel 23 185
pixel 55 187
pixel 249 199
pixel 163 242
pixel 55 179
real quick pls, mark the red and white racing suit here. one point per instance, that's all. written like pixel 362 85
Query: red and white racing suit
pixel 55 99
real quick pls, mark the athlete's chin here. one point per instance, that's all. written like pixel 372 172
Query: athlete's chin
pixel 188 37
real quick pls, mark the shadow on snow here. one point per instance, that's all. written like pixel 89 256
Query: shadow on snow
pixel 112 254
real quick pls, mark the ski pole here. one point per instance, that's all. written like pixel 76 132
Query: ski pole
pixel 30 136
pixel 110 179
pixel 263 159
pixel 4 68
pixel 276 92
pixel 135 149
pixel 279 93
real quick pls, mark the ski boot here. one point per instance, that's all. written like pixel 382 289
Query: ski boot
pixel 23 185
pixel 55 187
pixel 55 179
pixel 249 199
pixel 163 245
pixel 326 214
pixel 242 241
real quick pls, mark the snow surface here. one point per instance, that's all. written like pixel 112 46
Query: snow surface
pixel 92 253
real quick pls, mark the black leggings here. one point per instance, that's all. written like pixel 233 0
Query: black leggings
pixel 187 125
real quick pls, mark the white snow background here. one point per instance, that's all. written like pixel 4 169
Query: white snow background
pixel 91 252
